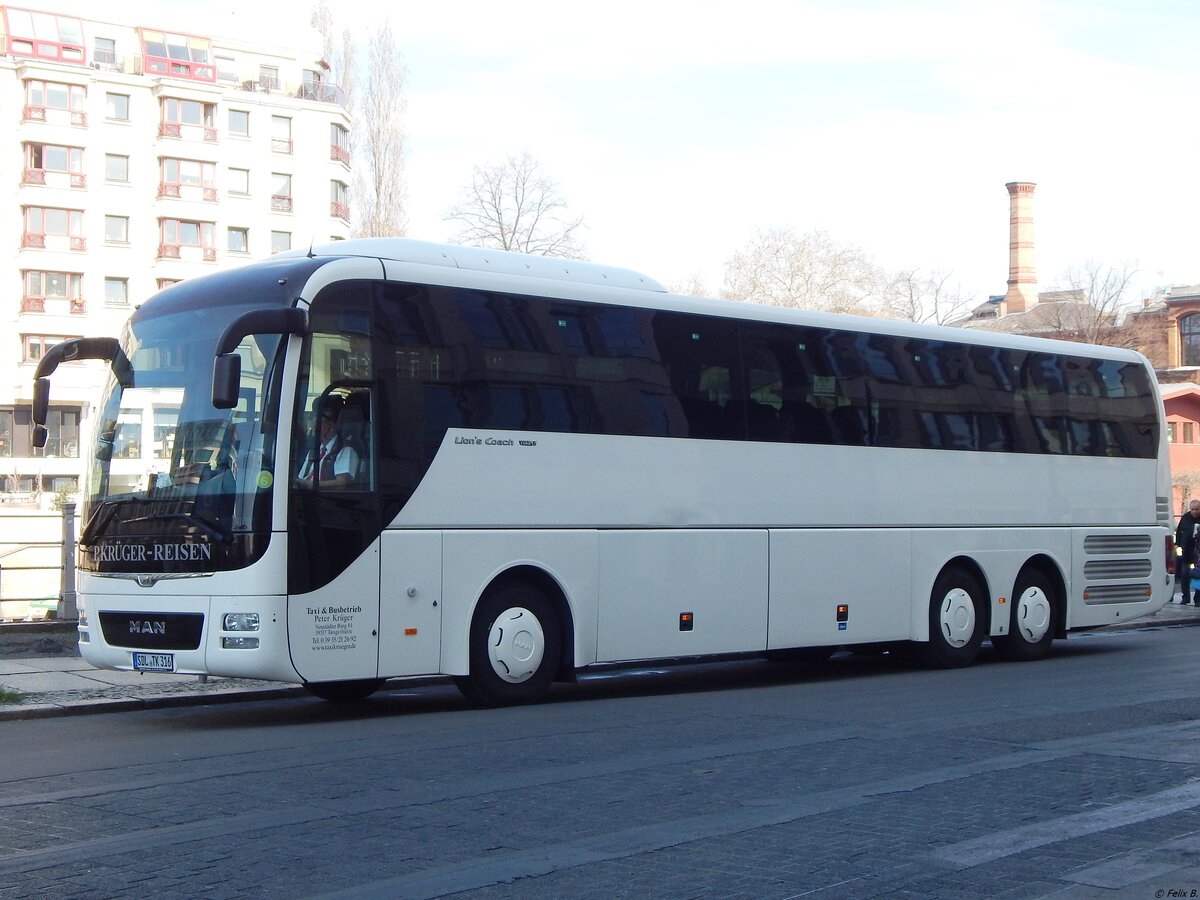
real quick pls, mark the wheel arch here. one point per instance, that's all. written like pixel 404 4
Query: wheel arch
pixel 972 568
pixel 552 588
pixel 1048 568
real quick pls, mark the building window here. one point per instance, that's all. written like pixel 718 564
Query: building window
pixel 281 134
pixel 339 143
pixel 104 51
pixel 179 174
pixel 280 241
pixel 1189 432
pixel 339 199
pixel 44 36
pixel 238 240
pixel 116 291
pixel 281 192
pixel 1189 340
pixel 1171 433
pixel 239 181
pixel 116 229
pixel 34 346
pixel 226 68
pixel 117 107
pixel 268 78
pixel 42 223
pixel 164 283
pixel 116 168
pixel 43 158
pixel 178 113
pixel 40 286
pixel 62 424
pixel 239 122
pixel 166 419
pixel 42 96
pixel 177 233
pixel 7 432
pixel 177 55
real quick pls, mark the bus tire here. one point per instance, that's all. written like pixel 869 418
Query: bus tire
pixel 1031 622
pixel 957 621
pixel 515 647
pixel 344 691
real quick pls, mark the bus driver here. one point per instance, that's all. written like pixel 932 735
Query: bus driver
pixel 332 460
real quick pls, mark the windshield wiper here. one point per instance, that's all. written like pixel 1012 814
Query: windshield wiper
pixel 100 518
pixel 212 529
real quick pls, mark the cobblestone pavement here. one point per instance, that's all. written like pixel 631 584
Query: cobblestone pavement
pixel 1077 776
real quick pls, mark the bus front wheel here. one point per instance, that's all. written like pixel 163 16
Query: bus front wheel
pixel 515 646
pixel 957 621
pixel 1031 622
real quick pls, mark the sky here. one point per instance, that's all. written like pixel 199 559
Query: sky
pixel 680 129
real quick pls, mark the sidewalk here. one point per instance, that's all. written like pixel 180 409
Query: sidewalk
pixel 42 666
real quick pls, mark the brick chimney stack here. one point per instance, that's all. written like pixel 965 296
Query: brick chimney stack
pixel 1022 281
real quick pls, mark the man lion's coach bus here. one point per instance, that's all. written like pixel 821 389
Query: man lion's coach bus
pixel 384 458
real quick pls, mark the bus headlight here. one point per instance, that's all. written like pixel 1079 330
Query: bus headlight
pixel 241 622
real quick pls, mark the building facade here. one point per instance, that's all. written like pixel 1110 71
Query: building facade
pixel 142 158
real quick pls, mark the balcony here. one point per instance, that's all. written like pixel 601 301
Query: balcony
pixel 33 304
pixel 281 202
pixel 281 145
pixel 33 176
pixel 168 189
pixel 168 251
pixel 339 210
pixel 78 306
pixel 339 154
pixel 33 239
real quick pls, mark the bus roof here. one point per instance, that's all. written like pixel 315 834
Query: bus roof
pixel 481 259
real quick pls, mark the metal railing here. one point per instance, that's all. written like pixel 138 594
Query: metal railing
pixel 37 566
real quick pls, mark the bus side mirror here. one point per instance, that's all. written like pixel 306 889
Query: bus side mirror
pixel 41 401
pixel 227 380
pixel 40 435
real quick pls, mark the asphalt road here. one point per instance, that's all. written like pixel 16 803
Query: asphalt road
pixel 1073 777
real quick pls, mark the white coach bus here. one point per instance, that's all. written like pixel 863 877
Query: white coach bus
pixel 532 466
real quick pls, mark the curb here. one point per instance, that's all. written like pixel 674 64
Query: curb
pixel 17 711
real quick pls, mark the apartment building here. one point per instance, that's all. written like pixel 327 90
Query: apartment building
pixel 142 157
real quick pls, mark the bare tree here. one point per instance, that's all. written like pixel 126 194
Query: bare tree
pixel 338 56
pixel 915 296
pixel 1185 480
pixel 379 185
pixel 1091 308
pixel 515 206
pixel 691 285
pixel 808 271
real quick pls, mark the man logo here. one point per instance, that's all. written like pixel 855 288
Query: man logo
pixel 145 626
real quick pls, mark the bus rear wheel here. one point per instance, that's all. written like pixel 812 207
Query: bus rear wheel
pixel 515 647
pixel 344 691
pixel 1031 622
pixel 957 621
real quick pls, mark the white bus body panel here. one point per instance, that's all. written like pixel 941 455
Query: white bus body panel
pixel 410 603
pixel 333 631
pixel 812 572
pixel 649 578
pixel 568 557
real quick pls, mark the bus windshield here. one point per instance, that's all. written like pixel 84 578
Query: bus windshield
pixel 175 485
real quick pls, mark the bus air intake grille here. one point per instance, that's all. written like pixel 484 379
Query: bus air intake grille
pixel 1117 568
pixel 1116 544
pixel 1164 511
pixel 1098 595
pixel 152 631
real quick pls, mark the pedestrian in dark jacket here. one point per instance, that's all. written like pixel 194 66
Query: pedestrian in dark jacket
pixel 1185 552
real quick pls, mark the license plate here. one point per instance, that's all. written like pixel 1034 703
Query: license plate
pixel 154 662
